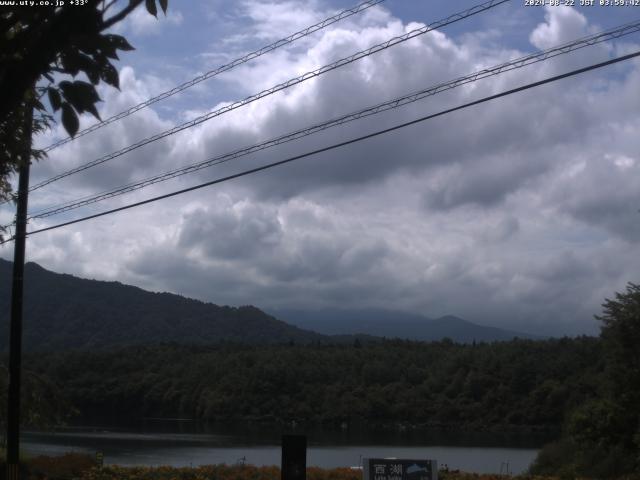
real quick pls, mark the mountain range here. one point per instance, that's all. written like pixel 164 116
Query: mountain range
pixel 62 311
pixel 394 324
pixel 66 312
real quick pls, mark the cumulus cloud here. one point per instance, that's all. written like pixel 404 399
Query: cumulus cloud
pixel 519 213
pixel 562 25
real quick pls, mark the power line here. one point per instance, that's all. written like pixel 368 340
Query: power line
pixel 340 144
pixel 282 86
pixel 521 62
pixel 223 68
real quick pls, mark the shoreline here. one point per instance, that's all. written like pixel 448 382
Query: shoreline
pixel 84 467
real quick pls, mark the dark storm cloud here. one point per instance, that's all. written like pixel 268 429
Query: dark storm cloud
pixel 231 234
pixel 485 182
pixel 275 247
pixel 588 196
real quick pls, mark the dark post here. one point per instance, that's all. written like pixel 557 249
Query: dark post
pixel 15 338
pixel 294 457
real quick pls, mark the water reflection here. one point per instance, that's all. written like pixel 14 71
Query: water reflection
pixel 185 443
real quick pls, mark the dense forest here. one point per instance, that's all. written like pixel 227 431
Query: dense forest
pixel 521 383
pixel 586 389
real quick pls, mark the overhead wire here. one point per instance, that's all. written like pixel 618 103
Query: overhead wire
pixel 221 69
pixel 520 62
pixel 340 144
pixel 282 86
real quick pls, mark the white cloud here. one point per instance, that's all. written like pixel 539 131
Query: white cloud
pixel 521 212
pixel 142 23
pixel 562 25
pixel 274 20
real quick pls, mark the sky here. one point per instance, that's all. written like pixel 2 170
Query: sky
pixel 520 213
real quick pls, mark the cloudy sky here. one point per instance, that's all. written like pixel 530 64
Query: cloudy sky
pixel 520 213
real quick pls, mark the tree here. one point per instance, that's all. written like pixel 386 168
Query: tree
pixel 621 337
pixel 603 434
pixel 43 401
pixel 607 429
pixel 42 52
pixel 620 333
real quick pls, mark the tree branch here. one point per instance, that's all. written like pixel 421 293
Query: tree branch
pixel 108 6
pixel 121 14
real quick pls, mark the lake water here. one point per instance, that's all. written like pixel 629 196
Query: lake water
pixel 190 444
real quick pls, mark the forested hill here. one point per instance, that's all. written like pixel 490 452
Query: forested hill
pixel 66 312
pixel 63 311
pixel 521 383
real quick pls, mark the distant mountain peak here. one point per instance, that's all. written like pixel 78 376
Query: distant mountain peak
pixel 393 324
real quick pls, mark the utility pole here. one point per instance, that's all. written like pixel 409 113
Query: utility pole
pixel 15 338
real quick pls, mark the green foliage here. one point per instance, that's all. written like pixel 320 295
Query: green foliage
pixel 621 336
pixel 569 460
pixel 69 119
pixel 13 131
pixel 552 460
pixel 598 423
pixel 43 403
pixel 602 435
pixel 429 384
pixel 38 43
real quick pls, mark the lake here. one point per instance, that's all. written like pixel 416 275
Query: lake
pixel 183 443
